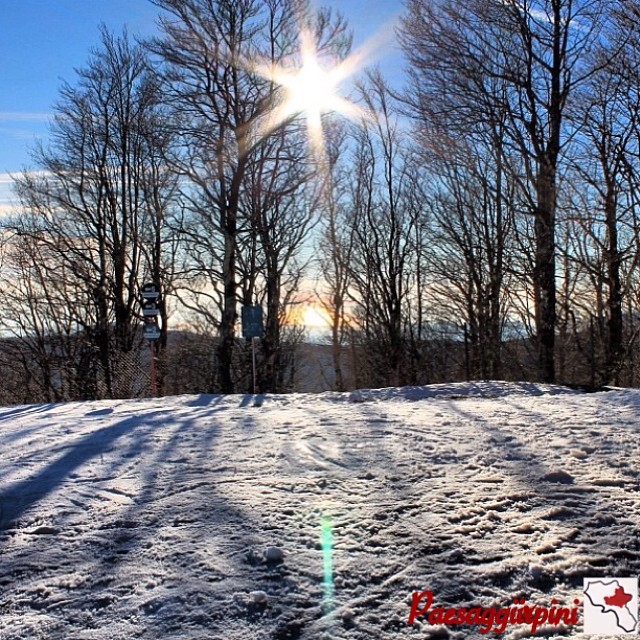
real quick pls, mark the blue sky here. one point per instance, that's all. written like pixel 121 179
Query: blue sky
pixel 43 41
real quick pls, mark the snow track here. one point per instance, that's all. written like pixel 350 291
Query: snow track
pixel 150 519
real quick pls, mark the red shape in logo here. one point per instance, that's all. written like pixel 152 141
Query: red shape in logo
pixel 618 599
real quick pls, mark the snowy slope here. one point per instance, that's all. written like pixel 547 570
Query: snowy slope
pixel 155 518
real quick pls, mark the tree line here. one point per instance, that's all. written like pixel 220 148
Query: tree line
pixel 479 222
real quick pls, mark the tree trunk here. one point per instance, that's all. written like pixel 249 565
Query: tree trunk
pixel 614 301
pixel 545 273
pixel 229 311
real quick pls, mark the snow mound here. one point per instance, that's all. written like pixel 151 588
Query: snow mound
pixel 454 391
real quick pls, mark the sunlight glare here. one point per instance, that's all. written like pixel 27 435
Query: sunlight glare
pixel 311 90
pixel 315 317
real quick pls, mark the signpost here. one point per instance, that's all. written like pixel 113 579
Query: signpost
pixel 252 326
pixel 252 329
pixel 150 329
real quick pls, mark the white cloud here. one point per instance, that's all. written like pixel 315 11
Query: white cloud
pixel 6 193
pixel 7 210
pixel 8 200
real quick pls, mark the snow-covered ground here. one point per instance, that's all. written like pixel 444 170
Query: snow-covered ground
pixel 166 518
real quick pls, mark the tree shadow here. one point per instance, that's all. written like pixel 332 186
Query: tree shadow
pixel 20 496
pixel 205 400
pixel 164 532
pixel 16 412
pixel 253 400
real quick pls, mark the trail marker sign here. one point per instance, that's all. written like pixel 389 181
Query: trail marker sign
pixel 150 312
pixel 252 326
pixel 151 331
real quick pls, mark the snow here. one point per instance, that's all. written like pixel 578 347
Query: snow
pixel 312 516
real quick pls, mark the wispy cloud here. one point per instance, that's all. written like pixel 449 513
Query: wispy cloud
pixel 19 133
pixel 6 179
pixel 7 197
pixel 23 125
pixel 24 116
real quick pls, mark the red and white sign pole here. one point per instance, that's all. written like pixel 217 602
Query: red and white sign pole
pixel 150 329
pixel 152 370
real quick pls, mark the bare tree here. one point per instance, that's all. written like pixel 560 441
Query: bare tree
pixel 335 246
pixel 602 195
pixel 89 209
pixel 470 247
pixel 210 50
pixel 46 352
pixel 604 184
pixel 469 58
pixel 277 204
pixel 385 214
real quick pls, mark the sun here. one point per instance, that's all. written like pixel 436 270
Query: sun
pixel 308 315
pixel 311 89
pixel 314 317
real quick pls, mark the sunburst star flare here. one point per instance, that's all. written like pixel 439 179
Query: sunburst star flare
pixel 310 90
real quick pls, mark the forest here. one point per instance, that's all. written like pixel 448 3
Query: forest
pixel 480 221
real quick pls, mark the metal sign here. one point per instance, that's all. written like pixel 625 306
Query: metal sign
pixel 151 331
pixel 150 312
pixel 252 326
pixel 149 308
pixel 149 291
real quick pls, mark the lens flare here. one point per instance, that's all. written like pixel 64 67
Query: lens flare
pixel 310 90
pixel 312 85
pixel 326 540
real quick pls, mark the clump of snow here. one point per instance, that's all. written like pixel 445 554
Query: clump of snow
pixel 45 530
pixel 167 518
pixel 273 554
pixel 579 453
pixel 558 475
pixel 258 597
